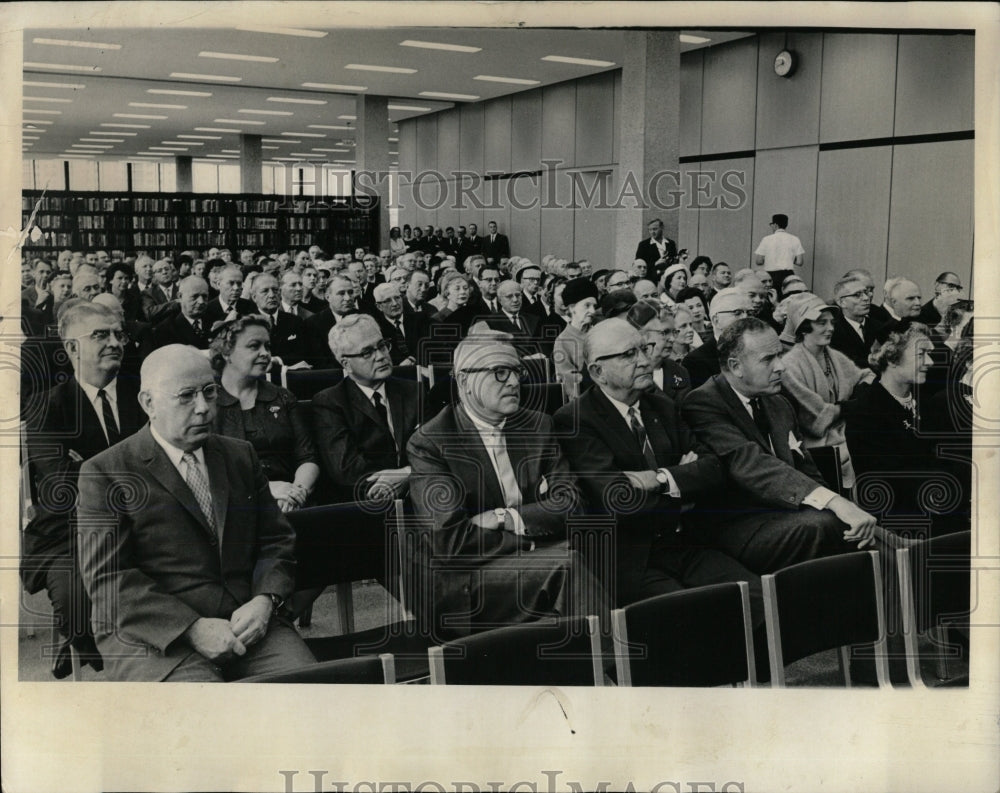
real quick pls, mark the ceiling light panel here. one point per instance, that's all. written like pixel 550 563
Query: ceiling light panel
pixel 329 126
pixel 267 112
pixel 687 38
pixel 102 140
pixel 248 121
pixel 335 87
pixel 128 126
pixel 304 134
pixel 137 115
pixel 415 108
pixel 40 84
pixel 114 134
pixel 303 32
pixel 443 95
pixel 489 78
pixel 95 45
pixel 170 92
pixel 437 45
pixel 348 118
pixel 63 67
pixel 31 111
pixel 215 129
pixel 364 67
pixel 45 99
pixel 201 137
pixel 156 105
pixel 222 78
pixel 290 100
pixel 236 56
pixel 576 61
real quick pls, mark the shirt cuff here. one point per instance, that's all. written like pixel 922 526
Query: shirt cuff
pixel 819 498
pixel 515 523
pixel 673 491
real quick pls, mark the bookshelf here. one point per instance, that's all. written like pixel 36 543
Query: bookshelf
pixel 159 224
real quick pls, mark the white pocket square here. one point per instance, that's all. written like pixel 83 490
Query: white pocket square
pixel 794 444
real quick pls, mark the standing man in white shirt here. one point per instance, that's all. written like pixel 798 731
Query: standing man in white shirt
pixel 779 252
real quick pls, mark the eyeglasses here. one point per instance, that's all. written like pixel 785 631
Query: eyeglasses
pixel 186 396
pixel 667 334
pixel 631 353
pixel 501 373
pixel 868 292
pixel 491 280
pixel 952 287
pixel 618 284
pixel 101 336
pixel 369 352
pixel 738 312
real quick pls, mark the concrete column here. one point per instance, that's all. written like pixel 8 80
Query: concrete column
pixel 649 130
pixel 372 156
pixel 185 182
pixel 251 176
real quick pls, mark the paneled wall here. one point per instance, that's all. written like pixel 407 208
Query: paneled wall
pixel 857 147
pixel 866 147
pixel 566 131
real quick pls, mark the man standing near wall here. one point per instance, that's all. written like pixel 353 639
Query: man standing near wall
pixel 779 252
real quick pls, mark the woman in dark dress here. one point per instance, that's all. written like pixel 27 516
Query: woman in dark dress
pixel 269 417
pixel 901 475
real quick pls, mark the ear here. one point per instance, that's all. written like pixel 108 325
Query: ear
pixel 146 402
pixel 595 370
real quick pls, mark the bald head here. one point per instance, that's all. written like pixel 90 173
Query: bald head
pixel 178 394
pixel 112 303
pixel 192 294
pixel 608 337
pixel 727 306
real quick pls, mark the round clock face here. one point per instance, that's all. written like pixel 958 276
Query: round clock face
pixel 783 63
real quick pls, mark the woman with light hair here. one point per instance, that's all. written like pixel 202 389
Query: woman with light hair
pixel 457 314
pixel 685 339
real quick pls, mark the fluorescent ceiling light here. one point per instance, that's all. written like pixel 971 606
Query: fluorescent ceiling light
pixel 37 84
pixel 247 121
pixel 128 126
pixel 129 134
pixel 393 140
pixel 312 34
pixel 268 112
pixel 328 126
pixel 364 67
pixel 102 140
pixel 164 148
pixel 220 156
pixel 348 118
pixel 443 95
pixel 215 129
pixel 135 115
pixel 201 137
pixel 306 154
pixel 94 45
pixel 408 107
pixel 270 148
pixel 291 100
pixel 689 39
pixel 394 152
pixel 182 143
pixel 335 151
pixel 28 122
pixel 286 159
pixel 45 99
pixel 29 111
pixel 489 78
pixel 436 45
pixel 577 61
pixel 154 104
pixel 89 146
pixel 230 151
pixel 77 156
pixel 170 92
pixel 274 140
pixel 235 56
pixel 304 134
pixel 30 137
pixel 64 67
pixel 222 78
pixel 335 87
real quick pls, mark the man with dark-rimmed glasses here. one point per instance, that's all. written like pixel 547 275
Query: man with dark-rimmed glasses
pixel 493 486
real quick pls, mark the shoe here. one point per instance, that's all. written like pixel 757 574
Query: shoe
pixel 62 663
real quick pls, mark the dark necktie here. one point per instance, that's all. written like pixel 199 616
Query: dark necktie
pixel 760 418
pixel 382 413
pixel 110 425
pixel 198 329
pixel 641 438
pixel 517 322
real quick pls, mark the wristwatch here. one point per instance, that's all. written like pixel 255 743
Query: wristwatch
pixel 661 477
pixel 276 602
pixel 501 515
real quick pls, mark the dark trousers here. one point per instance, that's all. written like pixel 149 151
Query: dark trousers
pixel 71 609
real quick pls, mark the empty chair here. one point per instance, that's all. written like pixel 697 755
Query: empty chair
pixel 561 651
pixel 934 579
pixel 367 669
pixel 822 604
pixel 694 637
pixel 306 383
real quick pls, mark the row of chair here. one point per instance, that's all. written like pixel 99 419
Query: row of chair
pixel 695 637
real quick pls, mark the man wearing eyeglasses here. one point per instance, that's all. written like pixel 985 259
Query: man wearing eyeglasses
pixel 947 291
pixel 618 279
pixel 529 276
pixel 93 410
pixel 490 479
pixel 404 331
pixel 364 422
pixel 488 282
pixel 726 307
pixel 183 550
pixel 853 329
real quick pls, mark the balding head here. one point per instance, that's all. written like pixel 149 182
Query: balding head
pixel 902 296
pixel 86 283
pixel 727 306
pixel 617 360
pixel 112 303
pixel 192 294
pixel 178 394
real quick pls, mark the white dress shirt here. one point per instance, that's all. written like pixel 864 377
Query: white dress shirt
pixel 111 389
pixel 380 390
pixel 673 491
pixel 492 438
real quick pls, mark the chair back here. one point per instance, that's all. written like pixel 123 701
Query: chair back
pixel 365 669
pixel 539 370
pixel 543 397
pixel 306 383
pixel 934 579
pixel 822 604
pixel 828 461
pixel 561 651
pixel 694 637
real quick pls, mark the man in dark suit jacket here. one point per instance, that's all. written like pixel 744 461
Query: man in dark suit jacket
pixel 495 246
pixel 158 299
pixel 472 245
pixel 775 510
pixel 406 331
pixel 623 436
pixel 229 304
pixel 73 425
pixel 289 340
pixel 727 306
pixel 340 296
pixel 187 327
pixel 529 276
pixel 853 328
pixel 510 319
pixel 495 492
pixel 184 552
pixel 656 250
pixel 363 444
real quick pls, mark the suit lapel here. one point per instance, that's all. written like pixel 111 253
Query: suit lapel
pixel 91 434
pixel 168 477
pixel 740 413
pixel 483 474
pixel 659 437
pixel 218 485
pixel 617 433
